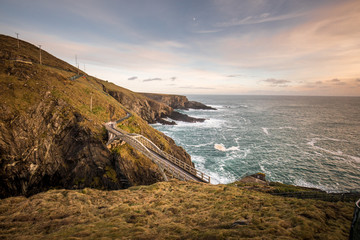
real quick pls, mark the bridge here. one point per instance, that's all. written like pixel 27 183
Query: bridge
pixel 166 162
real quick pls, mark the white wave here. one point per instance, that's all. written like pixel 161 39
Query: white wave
pixel 198 160
pixel 293 128
pixel 216 178
pixel 265 130
pixel 303 183
pixel 338 153
pixel 202 145
pixel 243 106
pixel 246 152
pixel 222 148
pixel 208 123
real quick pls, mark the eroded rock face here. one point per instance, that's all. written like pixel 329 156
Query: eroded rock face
pixel 152 110
pixel 177 101
pixel 197 105
pixel 174 101
pixel 49 147
pixel 147 109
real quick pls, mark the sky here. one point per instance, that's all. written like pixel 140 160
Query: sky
pixel 237 47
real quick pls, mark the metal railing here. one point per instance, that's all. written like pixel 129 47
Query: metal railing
pixel 355 224
pixel 190 169
pixel 169 163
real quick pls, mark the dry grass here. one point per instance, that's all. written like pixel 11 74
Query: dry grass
pixel 171 210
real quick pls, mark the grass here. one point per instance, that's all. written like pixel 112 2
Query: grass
pixel 171 210
pixel 23 87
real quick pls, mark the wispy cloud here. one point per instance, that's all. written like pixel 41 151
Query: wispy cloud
pixel 152 79
pixel 277 82
pixel 256 19
pixel 132 78
pixel 200 88
pixel 234 75
pixel 173 78
pixel 208 31
pixel 337 81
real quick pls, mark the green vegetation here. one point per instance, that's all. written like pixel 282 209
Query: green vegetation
pixel 110 173
pixel 130 125
pixel 172 210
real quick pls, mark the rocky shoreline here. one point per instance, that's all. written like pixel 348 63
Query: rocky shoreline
pixel 156 108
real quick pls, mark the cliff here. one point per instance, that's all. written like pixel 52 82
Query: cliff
pixel 177 101
pixel 149 107
pixel 51 127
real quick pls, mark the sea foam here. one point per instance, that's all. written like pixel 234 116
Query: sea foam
pixel 222 148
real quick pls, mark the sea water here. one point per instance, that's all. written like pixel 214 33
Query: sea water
pixel 305 141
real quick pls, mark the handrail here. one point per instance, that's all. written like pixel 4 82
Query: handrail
pixel 174 166
pixel 149 144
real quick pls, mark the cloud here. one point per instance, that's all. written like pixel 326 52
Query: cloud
pixel 318 82
pixel 336 81
pixel 234 75
pixel 262 18
pixel 208 31
pixel 152 79
pixel 192 87
pixel 340 83
pixel 132 78
pixel 277 82
pixel 358 80
pixel 173 78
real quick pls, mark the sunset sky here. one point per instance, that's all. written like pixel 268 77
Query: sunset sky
pixel 286 47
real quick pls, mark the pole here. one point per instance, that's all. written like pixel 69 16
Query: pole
pixel 40 53
pixel 17 36
pixel 91 103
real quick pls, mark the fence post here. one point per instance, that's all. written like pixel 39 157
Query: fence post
pixel 355 225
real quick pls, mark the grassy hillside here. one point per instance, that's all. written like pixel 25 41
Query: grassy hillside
pixel 52 132
pixel 172 210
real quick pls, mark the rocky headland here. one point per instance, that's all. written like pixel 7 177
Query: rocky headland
pixel 177 101
pixel 51 136
pixel 56 171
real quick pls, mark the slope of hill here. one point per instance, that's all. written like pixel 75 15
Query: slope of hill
pixel 51 128
pixel 172 210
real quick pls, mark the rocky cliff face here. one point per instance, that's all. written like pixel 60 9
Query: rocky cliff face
pixel 174 101
pixel 51 138
pixel 177 101
pixel 147 109
pixel 152 107
pixel 49 147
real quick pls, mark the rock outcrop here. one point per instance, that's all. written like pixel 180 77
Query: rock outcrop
pixel 48 147
pixel 177 101
pixel 153 107
pixel 146 108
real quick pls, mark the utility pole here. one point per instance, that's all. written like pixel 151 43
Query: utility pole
pixel 84 67
pixel 76 64
pixel 17 36
pixel 40 53
pixel 91 102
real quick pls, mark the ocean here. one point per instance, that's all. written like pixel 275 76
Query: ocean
pixel 305 141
